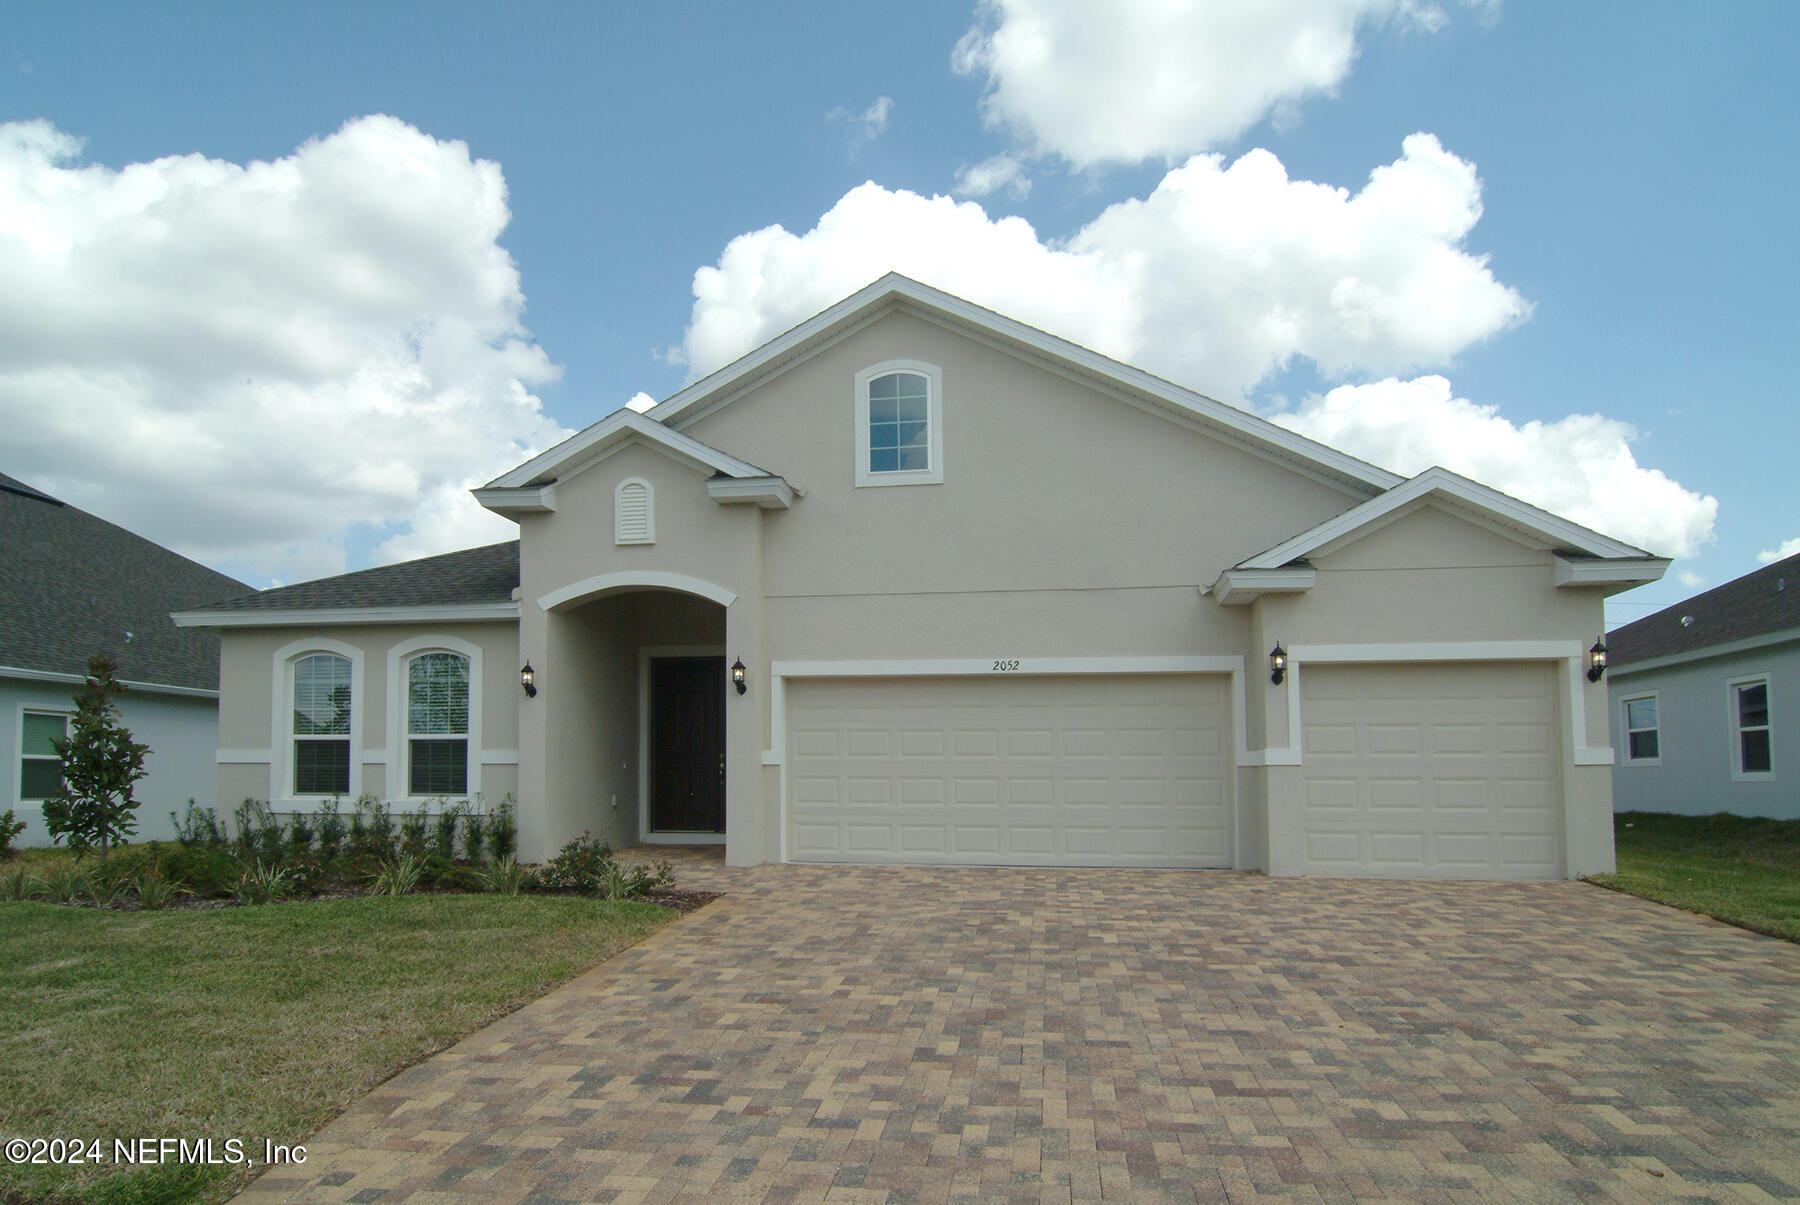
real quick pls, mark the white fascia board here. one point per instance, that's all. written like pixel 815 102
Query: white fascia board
pixel 523 500
pixel 1625 573
pixel 770 493
pixel 1703 653
pixel 1553 530
pixel 897 288
pixel 617 427
pixel 312 618
pixel 1240 587
pixel 155 688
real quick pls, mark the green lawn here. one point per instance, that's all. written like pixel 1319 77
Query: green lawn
pixel 255 1022
pixel 1744 872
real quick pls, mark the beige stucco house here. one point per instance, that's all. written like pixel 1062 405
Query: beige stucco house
pixel 916 583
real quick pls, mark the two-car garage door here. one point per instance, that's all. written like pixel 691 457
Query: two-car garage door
pixel 1022 770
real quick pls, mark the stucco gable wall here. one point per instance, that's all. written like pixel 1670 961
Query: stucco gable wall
pixel 1048 484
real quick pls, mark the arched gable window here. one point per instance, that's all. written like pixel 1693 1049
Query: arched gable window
pixel 899 424
pixel 634 512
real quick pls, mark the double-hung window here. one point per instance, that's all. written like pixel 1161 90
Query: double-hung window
pixel 322 725
pixel 40 769
pixel 437 724
pixel 1751 752
pixel 899 424
pixel 1643 734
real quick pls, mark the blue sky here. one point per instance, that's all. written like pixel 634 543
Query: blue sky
pixel 1630 259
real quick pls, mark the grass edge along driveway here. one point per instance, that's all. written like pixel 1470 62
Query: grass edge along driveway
pixel 255 1022
pixel 1738 869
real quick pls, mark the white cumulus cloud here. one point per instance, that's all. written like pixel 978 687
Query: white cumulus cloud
pixel 640 402
pixel 1217 279
pixel 1580 467
pixel 1787 549
pixel 251 362
pixel 1200 73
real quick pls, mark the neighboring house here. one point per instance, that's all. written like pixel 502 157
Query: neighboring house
pixel 72 585
pixel 917 583
pixel 1706 701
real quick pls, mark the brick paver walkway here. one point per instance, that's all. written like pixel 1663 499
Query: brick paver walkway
pixel 874 1035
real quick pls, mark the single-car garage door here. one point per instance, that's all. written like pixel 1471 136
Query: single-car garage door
pixel 1088 770
pixel 1432 771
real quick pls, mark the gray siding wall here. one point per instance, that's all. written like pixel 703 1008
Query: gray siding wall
pixel 182 732
pixel 1693 710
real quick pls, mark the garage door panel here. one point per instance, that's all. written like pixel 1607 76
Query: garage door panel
pixel 1475 792
pixel 1121 770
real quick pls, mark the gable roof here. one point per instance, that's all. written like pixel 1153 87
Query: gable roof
pixel 1460 492
pixel 72 585
pixel 616 429
pixel 896 291
pixel 472 583
pixel 1759 604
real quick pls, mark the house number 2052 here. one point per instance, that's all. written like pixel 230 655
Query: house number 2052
pixel 1002 667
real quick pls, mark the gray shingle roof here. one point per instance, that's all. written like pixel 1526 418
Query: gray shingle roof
pixel 473 575
pixel 1756 604
pixel 72 585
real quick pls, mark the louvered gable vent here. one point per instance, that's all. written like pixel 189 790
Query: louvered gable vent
pixel 634 521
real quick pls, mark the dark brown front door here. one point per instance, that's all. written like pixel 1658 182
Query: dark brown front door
pixel 687 744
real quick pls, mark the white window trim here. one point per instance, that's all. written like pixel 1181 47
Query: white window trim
pixel 649 536
pixel 1625 729
pixel 18 769
pixel 282 796
pixel 399 750
pixel 1736 752
pixel 934 415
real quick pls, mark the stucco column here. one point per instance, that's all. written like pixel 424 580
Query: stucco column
pixel 533 745
pixel 745 816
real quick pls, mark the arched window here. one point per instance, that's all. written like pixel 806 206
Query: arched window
pixel 634 515
pixel 321 725
pixel 899 424
pixel 437 724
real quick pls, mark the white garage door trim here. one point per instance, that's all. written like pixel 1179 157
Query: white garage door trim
pixel 781 671
pixel 1572 675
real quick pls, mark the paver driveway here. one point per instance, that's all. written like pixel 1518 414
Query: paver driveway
pixel 929 1035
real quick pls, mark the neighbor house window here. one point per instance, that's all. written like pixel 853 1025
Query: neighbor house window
pixel 1643 738
pixel 899 424
pixel 437 724
pixel 1751 751
pixel 40 769
pixel 322 725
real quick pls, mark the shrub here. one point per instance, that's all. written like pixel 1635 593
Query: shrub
pixel 630 882
pixel 413 828
pixel 199 827
pixel 443 835
pixel 261 883
pixel 9 828
pixel 154 892
pixel 474 834
pixel 372 830
pixel 505 877
pixel 579 866
pixel 208 870
pixel 503 831
pixel 300 835
pixel 331 830
pixel 66 883
pixel 398 877
pixel 18 885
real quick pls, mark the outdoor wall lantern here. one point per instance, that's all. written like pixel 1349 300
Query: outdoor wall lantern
pixel 528 680
pixel 737 675
pixel 1277 664
pixel 1596 661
